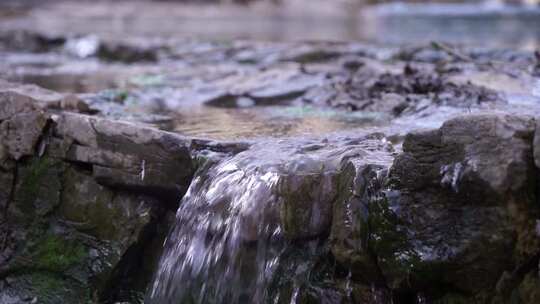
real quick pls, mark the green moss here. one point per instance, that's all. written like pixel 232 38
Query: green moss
pixel 50 288
pixel 301 194
pixel 38 192
pixel 106 220
pixel 390 243
pixel 57 254
pixel 45 284
pixel 30 184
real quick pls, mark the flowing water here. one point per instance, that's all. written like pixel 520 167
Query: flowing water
pixel 270 121
pixel 249 229
pixel 208 256
pixel 232 242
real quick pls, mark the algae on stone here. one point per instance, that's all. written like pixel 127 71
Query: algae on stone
pixel 57 254
pixel 38 190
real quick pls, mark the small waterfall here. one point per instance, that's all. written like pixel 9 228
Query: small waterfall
pixel 230 244
pixel 223 246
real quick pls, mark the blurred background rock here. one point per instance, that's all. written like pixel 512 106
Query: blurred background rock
pixel 481 23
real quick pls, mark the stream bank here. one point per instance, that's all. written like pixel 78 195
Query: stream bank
pixel 196 171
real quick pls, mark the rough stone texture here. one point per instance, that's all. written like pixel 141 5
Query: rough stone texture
pixel 463 207
pixel 82 199
pixel 350 226
pixel 123 155
pixel 101 212
pixel 46 99
pixel 310 189
pixel 495 151
pixel 307 203
pixel 21 125
pixel 536 143
pixel 454 220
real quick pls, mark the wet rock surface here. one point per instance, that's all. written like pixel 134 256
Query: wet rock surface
pixel 472 182
pixel 83 197
pixel 249 207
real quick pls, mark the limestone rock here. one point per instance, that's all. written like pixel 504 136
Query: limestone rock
pixel 25 40
pixel 21 125
pixel 126 52
pixel 456 210
pixel 100 212
pixel 349 238
pixel 125 155
pixel 307 203
pixel 46 99
pixel 82 198
pixel 463 199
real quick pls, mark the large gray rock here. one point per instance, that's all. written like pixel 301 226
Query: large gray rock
pixel 278 85
pixel 46 99
pixel 463 198
pixel 84 198
pixel 125 155
pixel 312 186
pixel 454 215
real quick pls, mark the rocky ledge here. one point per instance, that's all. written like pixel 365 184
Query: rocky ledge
pixel 83 200
pixel 455 221
pixel 86 203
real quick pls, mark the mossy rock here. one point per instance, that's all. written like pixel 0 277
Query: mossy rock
pixel 350 235
pixel 47 288
pixel 389 241
pixel 529 289
pixel 57 254
pixel 87 205
pixel 37 192
pixel 306 203
pixel 100 212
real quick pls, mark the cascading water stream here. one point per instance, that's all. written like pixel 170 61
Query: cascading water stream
pixel 231 234
pixel 224 241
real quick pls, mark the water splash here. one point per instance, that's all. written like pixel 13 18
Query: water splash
pixel 224 226
pixel 229 240
pixel 451 175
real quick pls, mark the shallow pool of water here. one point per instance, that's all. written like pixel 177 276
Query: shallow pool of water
pixel 271 121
